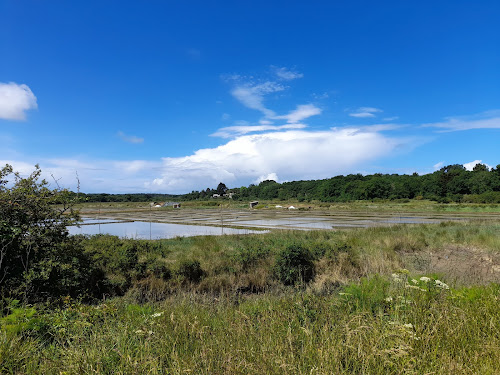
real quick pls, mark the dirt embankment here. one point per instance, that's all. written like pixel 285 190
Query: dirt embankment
pixel 461 265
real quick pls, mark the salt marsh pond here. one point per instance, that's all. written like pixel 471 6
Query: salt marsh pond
pixel 161 223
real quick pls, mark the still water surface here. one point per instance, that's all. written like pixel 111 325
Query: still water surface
pixel 146 230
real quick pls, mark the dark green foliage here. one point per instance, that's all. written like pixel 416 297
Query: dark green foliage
pixel 449 184
pixel 295 265
pixel 191 270
pixel 120 260
pixel 38 259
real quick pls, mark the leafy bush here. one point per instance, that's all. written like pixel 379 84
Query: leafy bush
pixel 38 258
pixel 294 265
pixel 191 270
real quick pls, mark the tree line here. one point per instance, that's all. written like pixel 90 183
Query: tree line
pixel 452 183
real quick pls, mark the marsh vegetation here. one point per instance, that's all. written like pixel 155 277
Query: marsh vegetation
pixel 419 298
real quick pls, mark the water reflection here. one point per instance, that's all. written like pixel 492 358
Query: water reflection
pixel 146 230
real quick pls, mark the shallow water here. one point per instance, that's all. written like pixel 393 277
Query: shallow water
pixel 145 230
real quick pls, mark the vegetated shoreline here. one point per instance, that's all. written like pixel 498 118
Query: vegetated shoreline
pixel 399 299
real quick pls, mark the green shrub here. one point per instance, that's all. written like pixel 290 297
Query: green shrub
pixel 295 265
pixel 191 270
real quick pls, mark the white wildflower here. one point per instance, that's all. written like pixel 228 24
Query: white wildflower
pixel 388 299
pixel 396 277
pixel 414 281
pixel 425 279
pixel 408 325
pixel 442 285
pixel 140 332
pixel 156 315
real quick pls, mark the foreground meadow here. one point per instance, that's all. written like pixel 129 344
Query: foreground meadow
pixel 407 299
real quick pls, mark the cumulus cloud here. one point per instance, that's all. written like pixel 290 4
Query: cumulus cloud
pixel 286 74
pixel 470 166
pixel 286 155
pixel 292 155
pixel 129 138
pixel 365 112
pixel 271 176
pixel 15 100
pixel 484 120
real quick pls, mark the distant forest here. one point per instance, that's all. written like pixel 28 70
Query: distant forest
pixel 452 183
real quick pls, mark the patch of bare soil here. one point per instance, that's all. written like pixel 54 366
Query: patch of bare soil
pixel 461 265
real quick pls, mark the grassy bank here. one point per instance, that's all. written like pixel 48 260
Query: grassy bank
pixel 405 299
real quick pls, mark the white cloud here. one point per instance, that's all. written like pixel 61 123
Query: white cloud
pixel 380 127
pixel 15 100
pixel 286 74
pixel 292 155
pixel 265 122
pixel 271 176
pixel 130 138
pixel 393 118
pixel 252 96
pixel 300 113
pixel 365 112
pixel 438 165
pixel 232 131
pixel 321 96
pixel 96 176
pixel 226 116
pixel 484 120
pixel 470 166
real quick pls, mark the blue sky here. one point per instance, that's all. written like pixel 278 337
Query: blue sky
pixel 171 96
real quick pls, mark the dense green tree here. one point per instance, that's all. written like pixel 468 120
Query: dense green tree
pixel 38 258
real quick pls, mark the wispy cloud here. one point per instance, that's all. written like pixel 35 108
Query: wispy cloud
pixel 237 130
pixel 129 138
pixel 302 112
pixel 438 165
pixel 483 120
pixel 393 118
pixel 15 100
pixel 252 95
pixel 286 74
pixel 365 112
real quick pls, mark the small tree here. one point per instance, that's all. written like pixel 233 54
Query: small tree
pixel 38 258
pixel 221 189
